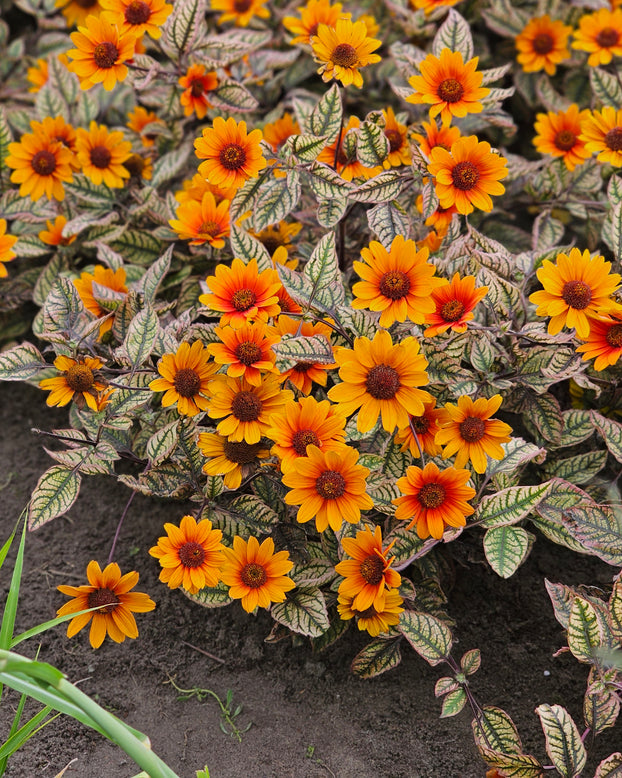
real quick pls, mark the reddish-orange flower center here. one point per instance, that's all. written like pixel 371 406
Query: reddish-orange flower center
pixel 421 424
pixel 383 382
pixel 431 495
pixel 232 156
pixel 543 43
pixel 242 6
pixel 565 140
pixel 241 453
pixel 187 382
pixel 313 29
pixel 243 299
pixel 253 575
pixel 105 54
pixel 452 310
pixel 86 3
pixel 135 165
pixel 44 163
pixel 191 554
pixel 613 139
pixel 450 90
pixel 246 406
pixel 330 485
pixel 100 157
pixel 472 429
pixel 614 336
pixel 302 439
pixel 394 284
pixel 248 352
pixel 137 12
pixel 372 569
pixel 105 597
pixel 465 175
pixel 395 139
pixel 79 378
pixel 577 294
pixel 209 228
pixel 303 367
pixel 344 55
pixel 607 37
pixel 197 88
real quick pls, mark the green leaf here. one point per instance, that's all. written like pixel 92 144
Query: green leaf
pixel 545 412
pixel 183 25
pixel 325 119
pixel 616 231
pixel 471 661
pixel 513 765
pixel 482 354
pixel 584 633
pixel 296 285
pixel 162 443
pixel 49 102
pixel 379 189
pixel 154 276
pixel 578 426
pixel 606 87
pixel 304 147
pixel 600 709
pixel 326 183
pixel 5 138
pixel 21 363
pixel 276 200
pixel 90 194
pixel 330 212
pixel 304 611
pixel 245 197
pixel 615 610
pixel 293 350
pixel 315 572
pixel 338 628
pixel 170 165
pixel 517 453
pixel 372 146
pixel 88 460
pixel 506 548
pixel 57 265
pixel 496 731
pixel 611 432
pixel 247 247
pixel 455 35
pixel 322 270
pixel 55 493
pixel 429 636
pixel 453 703
pixel 63 310
pixel 232 97
pixel 511 505
pixel 596 529
pixel 611 767
pixel 211 596
pixel 141 335
pixel 377 657
pixel 388 221
pixel 579 469
pixel 406 544
pixel 252 511
pixel 30 246
pixel 563 742
pixel 138 247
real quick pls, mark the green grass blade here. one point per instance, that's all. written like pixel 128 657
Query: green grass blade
pixel 14 727
pixel 10 609
pixel 17 740
pixel 48 625
pixel 5 548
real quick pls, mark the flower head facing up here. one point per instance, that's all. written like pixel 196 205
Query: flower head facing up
pixel 558 134
pixel 604 343
pixel 185 378
pixel 601 131
pixel 101 154
pixel 255 574
pixel 434 499
pixel 6 248
pixel 111 591
pixel 112 280
pixel 343 49
pixel 231 156
pixel 451 86
pixel 40 166
pixel 576 290
pixel 246 351
pixel 543 44
pixel 453 305
pixel 375 622
pixel 203 221
pixel 240 11
pixel 190 555
pixel 368 575
pixel 78 382
pixel 314 13
pixel 468 432
pixel 101 53
pixel 229 458
pixel 329 486
pixel 137 16
pixel 600 34
pixel 197 84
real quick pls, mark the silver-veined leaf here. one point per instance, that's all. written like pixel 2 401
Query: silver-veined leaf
pixel 455 35
pixel 304 611
pixel 563 742
pixel 55 493
pixel 377 657
pixel 325 119
pixel 584 632
pixel 322 270
pixel 21 363
pixel 429 636
pixel 506 548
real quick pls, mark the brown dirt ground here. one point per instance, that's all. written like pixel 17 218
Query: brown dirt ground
pixel 310 717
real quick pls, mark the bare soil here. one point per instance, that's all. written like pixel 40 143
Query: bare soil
pixel 310 718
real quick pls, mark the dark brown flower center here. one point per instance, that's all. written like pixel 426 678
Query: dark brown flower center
pixel 613 139
pixel 209 228
pixel 452 310
pixel 241 453
pixel 465 175
pixel 342 157
pixel 191 554
pixel 100 157
pixel 302 439
pixel 472 429
pixel 565 140
pixel 372 569
pixel 368 613
pixel 344 55
pixel 80 378
pixel 242 6
pixel 543 43
pixel 450 90
pixel 135 165
pixel 330 485
pixel 383 382
pixel 187 382
pixel 577 294
pixel 232 156
pixel 246 406
pixel 614 336
pixel 313 29
pixel 303 367
pixel 253 575
pixel 44 163
pixel 248 353
pixel 607 37
pixel 421 424
pixel 394 284
pixel 137 12
pixel 105 55
pixel 395 139
pixel 104 597
pixel 431 495
pixel 243 299
pixel 86 3
pixel 271 243
pixel 197 88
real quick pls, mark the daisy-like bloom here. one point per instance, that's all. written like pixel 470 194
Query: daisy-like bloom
pixel 306 422
pixel 240 11
pixel 469 432
pixel 6 252
pixel 435 136
pixel 137 16
pixel 100 53
pixel 368 575
pixel 102 155
pixel 558 134
pixel 432 242
pixel 78 381
pixel 185 378
pixel 314 13
pixel 453 305
pixel 286 304
pixel 304 374
pixel 434 499
pixel 56 129
pixel 37 75
pixel 398 282
pixel 381 379
pixel 576 290
pixel 140 168
pixel 279 236
pixel 140 118
pixel 197 84
pixel 276 133
pixel 329 486
pixel 451 86
pixel 396 133
pixel 197 186
pixel 543 44
pixel 347 166
pixel 373 28
pixel 604 343
pixel 246 351
pixel 600 34
pixel 468 175
pixel 245 409
pixel 601 131
pixel 370 619
pixel 241 293
pixel 53 236
pixel 40 166
pixel 233 459
pixel 111 592
pixel 431 5
pixel 203 221
pixel 426 425
pixel 102 276
pixel 440 219
pixel 343 49
pixel 190 555
pixel 231 156
pixel 77 11
pixel 255 574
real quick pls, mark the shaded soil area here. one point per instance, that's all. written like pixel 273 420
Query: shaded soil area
pixel 309 717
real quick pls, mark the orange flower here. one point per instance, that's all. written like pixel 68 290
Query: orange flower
pixel 558 135
pixel 6 252
pixel 600 34
pixel 231 156
pixel 469 432
pixel 240 11
pixel 137 16
pixel 255 574
pixel 304 374
pixel 203 221
pixel 453 305
pixel 53 236
pixel 440 219
pixel 101 154
pixel 314 13
pixel 40 166
pixel 198 186
pixel 241 293
pixel 246 351
pixel 56 129
pixel 37 75
pixel 468 175
pixel 139 167
pixel 197 84
pixel 100 53
pixel 432 242
pixel 346 164
pixel 604 342
pixel 435 136
pixel 397 135
pixel 368 575
pixel 191 555
pixel 601 131
pixel 140 118
pixel 431 5
pixel 286 304
pixel 449 85
pixel 77 11
pixel 229 458
pixel 343 49
pixel 370 619
pixel 329 486
pixel 434 499
pixel 279 236
pixel 78 381
pixel 185 378
pixel 543 44
pixel 110 591
pixel 114 280
pixel 426 425
pixel 397 282
pixel 276 133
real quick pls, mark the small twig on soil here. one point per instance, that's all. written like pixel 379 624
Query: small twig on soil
pixel 203 651
pixel 119 525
